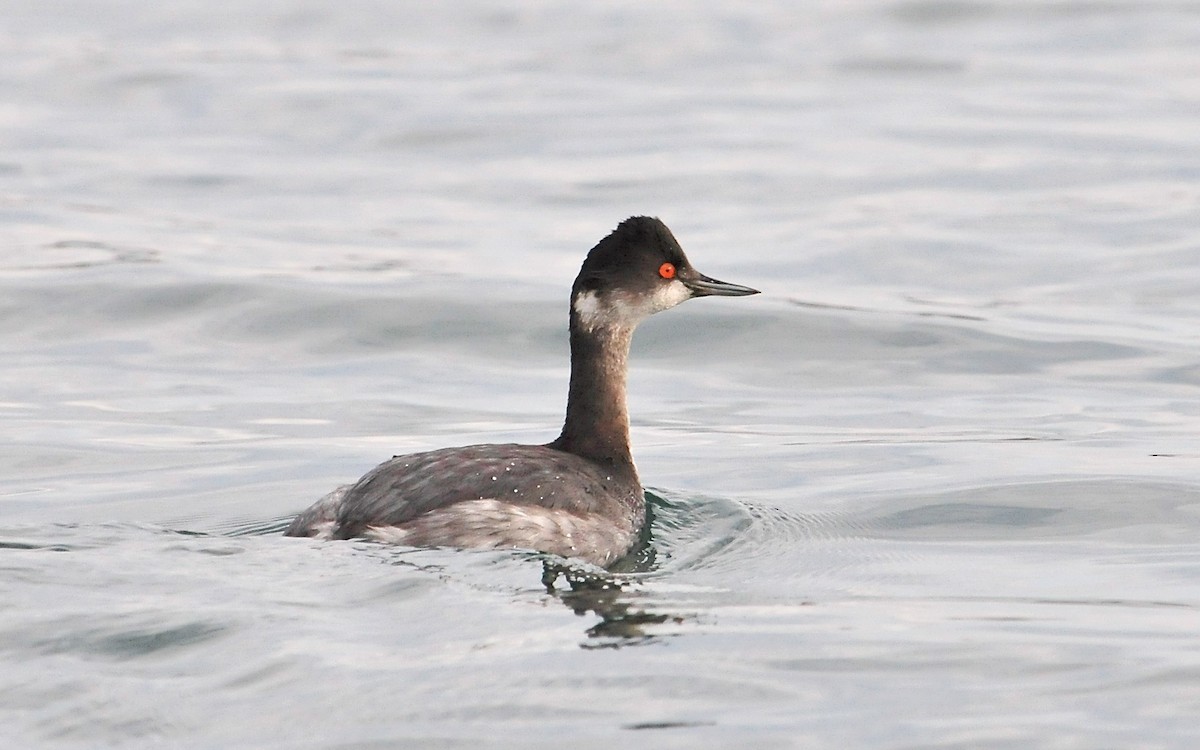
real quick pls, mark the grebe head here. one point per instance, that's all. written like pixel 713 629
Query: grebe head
pixel 637 270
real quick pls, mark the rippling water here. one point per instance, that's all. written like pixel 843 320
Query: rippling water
pixel 939 486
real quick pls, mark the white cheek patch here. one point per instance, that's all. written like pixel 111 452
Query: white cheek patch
pixel 591 310
pixel 626 311
pixel 613 311
pixel 670 295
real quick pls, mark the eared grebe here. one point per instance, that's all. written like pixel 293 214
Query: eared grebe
pixel 578 496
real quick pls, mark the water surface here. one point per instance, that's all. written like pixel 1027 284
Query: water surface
pixel 939 486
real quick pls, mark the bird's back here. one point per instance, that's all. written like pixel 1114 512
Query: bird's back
pixel 505 495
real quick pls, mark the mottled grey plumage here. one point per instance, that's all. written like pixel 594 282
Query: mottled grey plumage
pixel 578 496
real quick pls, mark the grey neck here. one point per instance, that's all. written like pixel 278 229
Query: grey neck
pixel 597 423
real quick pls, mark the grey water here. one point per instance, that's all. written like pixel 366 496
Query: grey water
pixel 938 486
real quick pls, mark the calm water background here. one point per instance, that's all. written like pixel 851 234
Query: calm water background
pixel 939 486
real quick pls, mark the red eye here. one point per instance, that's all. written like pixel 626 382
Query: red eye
pixel 667 270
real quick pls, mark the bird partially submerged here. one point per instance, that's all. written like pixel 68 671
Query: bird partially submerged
pixel 577 496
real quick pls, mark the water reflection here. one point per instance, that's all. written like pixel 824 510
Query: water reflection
pixel 607 593
pixel 604 594
pixel 584 589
